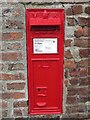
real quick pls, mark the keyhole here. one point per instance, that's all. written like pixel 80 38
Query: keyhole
pixel 38 89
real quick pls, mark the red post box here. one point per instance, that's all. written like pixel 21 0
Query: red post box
pixel 45 48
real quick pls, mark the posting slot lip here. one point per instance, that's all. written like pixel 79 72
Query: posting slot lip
pixel 45 28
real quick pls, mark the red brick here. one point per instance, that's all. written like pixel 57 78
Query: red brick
pixel 11 56
pixel 86 32
pixel 83 53
pixel 18 76
pixel 17 66
pixel 79 32
pixel 84 21
pixel 83 99
pixel 82 91
pixel 68 42
pixel 87 10
pixel 12 24
pixel 78 108
pixel 69 64
pixel 84 81
pixel 79 72
pixel 12 36
pixel 83 63
pixel 72 91
pixel 81 43
pixel 77 9
pixel 15 95
pixel 72 100
pixel 14 11
pixel 20 104
pixel 74 10
pixel 75 81
pixel 70 21
pixel 68 54
pixel 3 104
pixel 69 11
pixel 14 46
pixel 15 86
pixel 17 112
pixel 83 72
pixel 68 109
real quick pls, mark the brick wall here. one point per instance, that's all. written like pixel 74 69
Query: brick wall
pixel 13 60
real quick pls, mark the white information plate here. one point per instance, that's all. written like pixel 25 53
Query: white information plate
pixel 45 45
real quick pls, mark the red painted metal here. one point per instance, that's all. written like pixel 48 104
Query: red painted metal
pixel 45 70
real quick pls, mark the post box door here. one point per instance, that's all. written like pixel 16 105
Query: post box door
pixel 45 60
pixel 46 84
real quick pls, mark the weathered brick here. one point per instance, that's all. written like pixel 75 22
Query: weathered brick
pixel 17 112
pixel 68 42
pixel 83 99
pixel 83 53
pixel 75 81
pixel 12 36
pixel 68 54
pixel 17 66
pixel 15 86
pixel 19 76
pixel 3 104
pixel 12 24
pixel 11 56
pixel 83 91
pixel 70 21
pixel 68 109
pixel 81 72
pixel 77 91
pixel 72 91
pixel 15 95
pixel 72 100
pixel 81 42
pixel 69 64
pixel 14 46
pixel 87 10
pixel 84 81
pixel 77 9
pixel 79 32
pixel 69 11
pixel 79 81
pixel 86 32
pixel 20 104
pixel 83 63
pixel 14 11
pixel 78 108
pixel 84 21
pixel 74 10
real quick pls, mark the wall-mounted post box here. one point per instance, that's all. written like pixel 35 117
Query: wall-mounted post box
pixel 45 48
